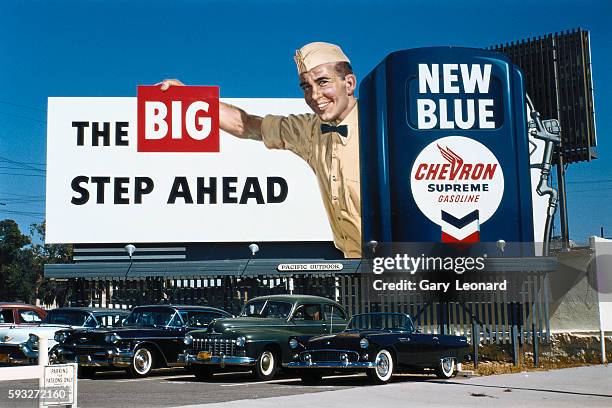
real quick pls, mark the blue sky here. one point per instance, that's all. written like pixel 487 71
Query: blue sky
pixel 106 48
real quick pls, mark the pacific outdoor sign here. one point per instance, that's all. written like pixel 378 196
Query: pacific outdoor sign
pixel 157 169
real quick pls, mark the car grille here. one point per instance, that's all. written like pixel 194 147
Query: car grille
pixel 13 351
pixel 330 355
pixel 85 350
pixel 216 347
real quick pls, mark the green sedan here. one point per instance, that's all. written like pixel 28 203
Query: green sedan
pixel 259 337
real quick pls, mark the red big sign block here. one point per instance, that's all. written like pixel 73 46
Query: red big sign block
pixel 180 119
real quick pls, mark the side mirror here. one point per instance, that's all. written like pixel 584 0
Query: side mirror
pixel 418 330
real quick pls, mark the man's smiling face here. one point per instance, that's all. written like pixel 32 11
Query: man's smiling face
pixel 328 94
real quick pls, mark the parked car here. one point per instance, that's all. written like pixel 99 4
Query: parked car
pixel 20 313
pixel 19 344
pixel 379 344
pixel 259 337
pixel 151 337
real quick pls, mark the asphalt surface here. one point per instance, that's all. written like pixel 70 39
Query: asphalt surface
pixel 575 387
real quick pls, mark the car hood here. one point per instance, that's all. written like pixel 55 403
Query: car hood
pixel 221 325
pixel 21 334
pixel 97 336
pixel 343 340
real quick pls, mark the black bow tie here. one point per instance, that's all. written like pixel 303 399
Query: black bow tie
pixel 342 130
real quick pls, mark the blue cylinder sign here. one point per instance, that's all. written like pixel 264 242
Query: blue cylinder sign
pixel 444 148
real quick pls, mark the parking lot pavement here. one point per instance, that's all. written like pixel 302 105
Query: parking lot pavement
pixel 167 388
pixel 585 386
pixel 572 387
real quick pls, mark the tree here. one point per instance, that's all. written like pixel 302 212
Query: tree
pixel 16 261
pixel 22 265
pixel 49 291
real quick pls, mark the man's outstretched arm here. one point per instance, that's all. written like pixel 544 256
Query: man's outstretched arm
pixel 232 119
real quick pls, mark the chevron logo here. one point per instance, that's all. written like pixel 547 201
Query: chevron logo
pixel 458 184
pixel 465 229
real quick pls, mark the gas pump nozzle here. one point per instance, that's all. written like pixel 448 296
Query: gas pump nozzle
pixel 550 132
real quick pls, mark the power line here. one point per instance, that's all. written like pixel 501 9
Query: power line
pixel 24 165
pixel 21 200
pixel 590 189
pixel 23 162
pixel 16 212
pixel 21 195
pixel 23 106
pixel 22 174
pixel 19 168
pixel 23 117
pixel 590 181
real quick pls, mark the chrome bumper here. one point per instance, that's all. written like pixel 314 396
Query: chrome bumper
pixel 330 364
pixel 221 361
pixel 28 352
pixel 18 354
pixel 105 358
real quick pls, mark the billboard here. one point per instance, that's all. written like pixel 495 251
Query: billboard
pixel 102 189
pixel 450 163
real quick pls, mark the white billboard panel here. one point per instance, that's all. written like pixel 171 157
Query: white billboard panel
pixel 100 194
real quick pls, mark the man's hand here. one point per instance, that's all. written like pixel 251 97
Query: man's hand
pixel 231 119
pixel 167 83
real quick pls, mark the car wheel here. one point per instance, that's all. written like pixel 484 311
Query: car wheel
pixel 266 365
pixel 86 372
pixel 310 378
pixel 446 368
pixel 202 373
pixel 142 362
pixel 383 370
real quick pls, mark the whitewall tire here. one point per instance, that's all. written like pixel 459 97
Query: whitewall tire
pixel 382 372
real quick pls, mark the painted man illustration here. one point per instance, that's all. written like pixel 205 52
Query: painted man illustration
pixel 328 139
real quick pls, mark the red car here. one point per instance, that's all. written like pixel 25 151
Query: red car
pixel 20 313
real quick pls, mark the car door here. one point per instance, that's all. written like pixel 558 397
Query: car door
pixel 29 316
pixel 418 348
pixel 335 317
pixel 309 319
pixel 172 344
pixel 8 316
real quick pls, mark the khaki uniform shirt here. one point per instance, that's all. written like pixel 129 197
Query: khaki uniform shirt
pixel 334 160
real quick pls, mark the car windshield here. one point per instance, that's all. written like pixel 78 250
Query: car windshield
pixel 149 317
pixel 267 308
pixel 69 317
pixel 380 321
pixel 199 319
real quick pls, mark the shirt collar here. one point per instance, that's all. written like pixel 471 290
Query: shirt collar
pixel 351 120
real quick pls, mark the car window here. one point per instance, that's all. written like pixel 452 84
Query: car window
pixel 176 321
pixel 267 308
pixel 69 317
pixel 334 313
pixel 29 316
pixel 157 317
pixel 308 312
pixel 7 316
pixel 109 320
pixel 381 321
pixel 90 322
pixel 195 318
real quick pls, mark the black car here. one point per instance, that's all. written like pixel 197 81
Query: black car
pixel 379 344
pixel 19 343
pixel 151 337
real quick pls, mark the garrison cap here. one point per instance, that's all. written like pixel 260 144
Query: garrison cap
pixel 317 53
